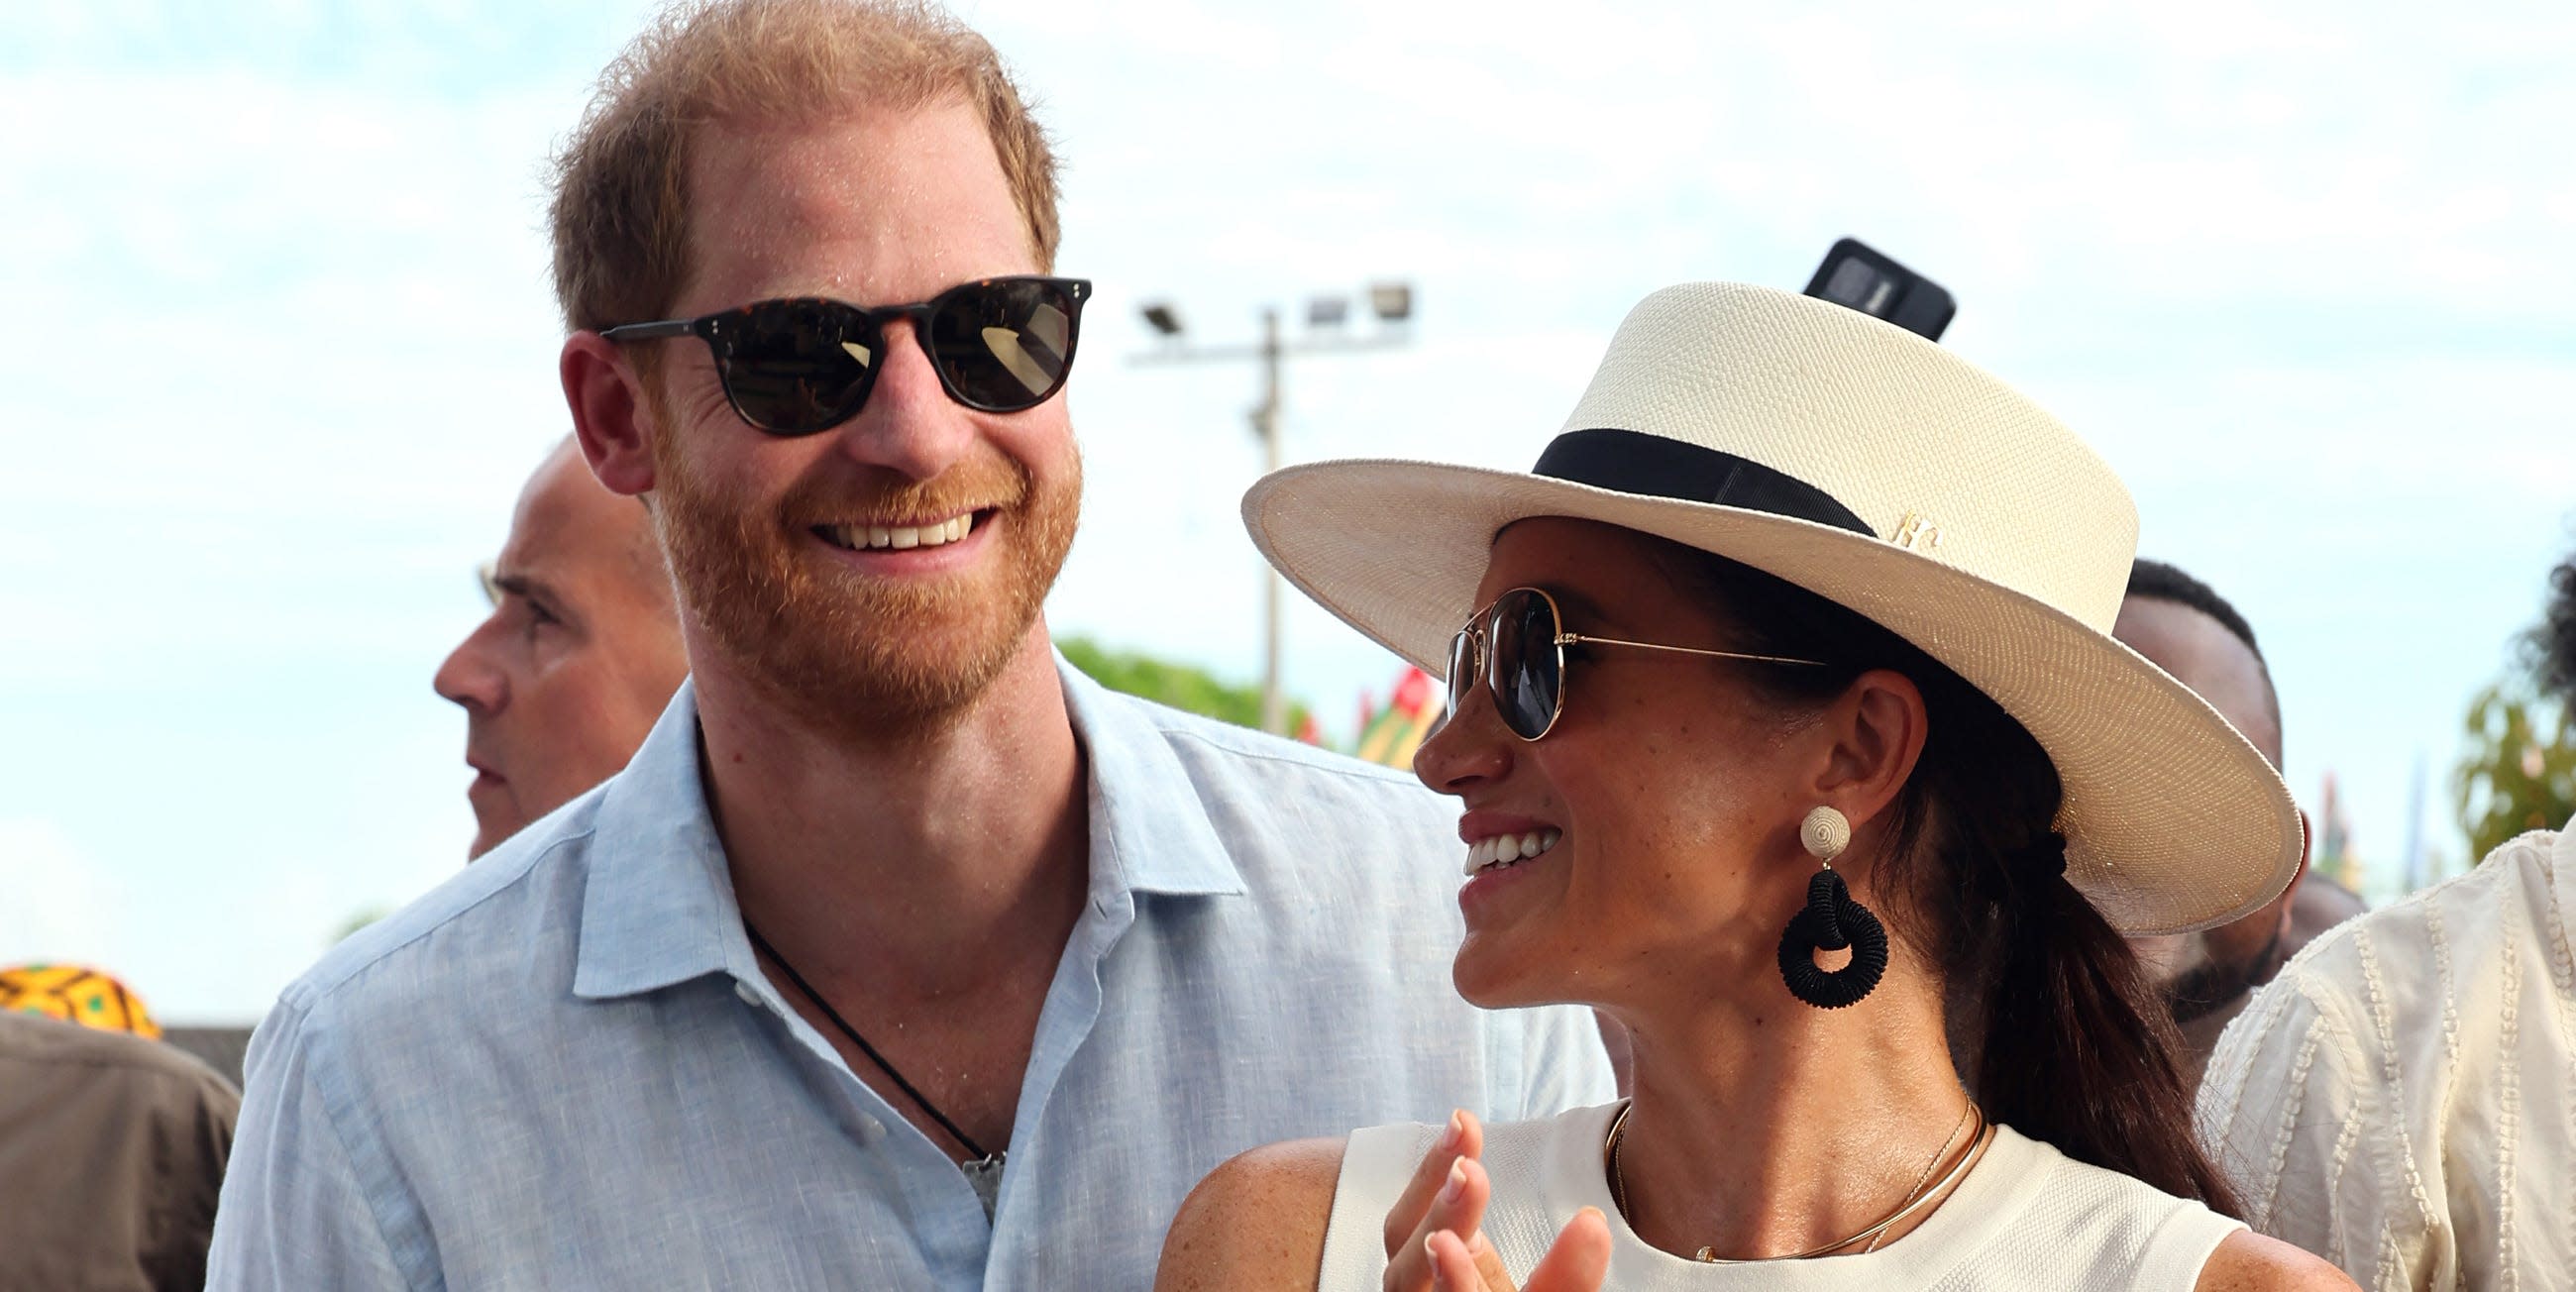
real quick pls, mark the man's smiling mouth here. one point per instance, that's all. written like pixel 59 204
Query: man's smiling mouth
pixel 900 538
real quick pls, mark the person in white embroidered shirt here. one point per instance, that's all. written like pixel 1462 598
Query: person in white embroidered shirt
pixel 1791 736
pixel 2402 1099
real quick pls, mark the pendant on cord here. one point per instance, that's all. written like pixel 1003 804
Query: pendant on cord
pixel 984 1170
pixel 984 1176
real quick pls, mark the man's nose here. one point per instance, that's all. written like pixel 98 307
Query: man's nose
pixel 471 676
pixel 909 424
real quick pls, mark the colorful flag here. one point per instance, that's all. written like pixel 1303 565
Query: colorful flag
pixel 1412 713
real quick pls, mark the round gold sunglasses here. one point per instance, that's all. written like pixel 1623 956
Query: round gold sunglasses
pixel 1517 645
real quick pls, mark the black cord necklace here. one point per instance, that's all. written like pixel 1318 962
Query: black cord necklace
pixel 984 1173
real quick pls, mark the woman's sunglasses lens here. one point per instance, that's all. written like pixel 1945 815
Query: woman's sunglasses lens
pixel 796 367
pixel 1521 664
pixel 1462 668
pixel 1003 346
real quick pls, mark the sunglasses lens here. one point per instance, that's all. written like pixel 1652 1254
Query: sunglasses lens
pixel 796 367
pixel 1004 346
pixel 1522 665
pixel 1462 668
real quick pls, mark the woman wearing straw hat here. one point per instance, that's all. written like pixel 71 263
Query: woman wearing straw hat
pixel 1791 736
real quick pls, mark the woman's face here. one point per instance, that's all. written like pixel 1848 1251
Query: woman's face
pixel 1672 789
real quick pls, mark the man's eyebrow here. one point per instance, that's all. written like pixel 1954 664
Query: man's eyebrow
pixel 528 586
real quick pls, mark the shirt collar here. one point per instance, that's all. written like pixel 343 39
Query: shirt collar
pixel 658 907
pixel 1150 831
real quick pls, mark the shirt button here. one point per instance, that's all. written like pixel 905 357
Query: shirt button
pixel 870 1130
pixel 750 994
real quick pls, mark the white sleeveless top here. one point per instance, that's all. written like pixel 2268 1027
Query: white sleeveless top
pixel 2026 1218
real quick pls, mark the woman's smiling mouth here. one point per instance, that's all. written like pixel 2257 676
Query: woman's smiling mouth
pixel 1503 851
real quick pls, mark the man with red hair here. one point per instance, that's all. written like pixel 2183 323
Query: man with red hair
pixel 901 955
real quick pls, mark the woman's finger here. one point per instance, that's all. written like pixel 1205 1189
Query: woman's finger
pixel 1579 1259
pixel 1480 1249
pixel 1457 1207
pixel 1462 1137
pixel 1454 1269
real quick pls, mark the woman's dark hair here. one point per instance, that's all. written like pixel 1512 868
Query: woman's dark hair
pixel 2062 1036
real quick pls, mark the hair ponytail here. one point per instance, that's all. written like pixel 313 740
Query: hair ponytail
pixel 2077 1051
pixel 2054 1021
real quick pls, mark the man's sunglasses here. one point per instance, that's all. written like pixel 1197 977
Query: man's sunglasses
pixel 1517 646
pixel 795 367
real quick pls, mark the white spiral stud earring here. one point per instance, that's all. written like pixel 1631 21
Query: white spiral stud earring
pixel 1825 832
pixel 1831 920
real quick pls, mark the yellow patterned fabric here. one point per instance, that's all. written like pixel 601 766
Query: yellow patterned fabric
pixel 75 994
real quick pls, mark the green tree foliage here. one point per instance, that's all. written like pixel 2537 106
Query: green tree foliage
pixel 359 920
pixel 2517 771
pixel 1178 685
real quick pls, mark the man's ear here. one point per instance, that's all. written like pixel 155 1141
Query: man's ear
pixel 1877 728
pixel 605 394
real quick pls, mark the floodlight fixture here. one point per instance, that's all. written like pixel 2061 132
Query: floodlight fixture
pixel 1391 302
pixel 1328 322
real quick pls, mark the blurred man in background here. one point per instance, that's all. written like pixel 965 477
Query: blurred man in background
pixel 2557 635
pixel 112 1144
pixel 2189 631
pixel 2402 1101
pixel 2316 905
pixel 579 656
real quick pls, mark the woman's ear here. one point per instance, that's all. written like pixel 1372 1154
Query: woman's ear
pixel 1877 731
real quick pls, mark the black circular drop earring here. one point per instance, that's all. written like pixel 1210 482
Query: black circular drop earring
pixel 1831 920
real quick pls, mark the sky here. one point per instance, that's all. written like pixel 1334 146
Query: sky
pixel 278 350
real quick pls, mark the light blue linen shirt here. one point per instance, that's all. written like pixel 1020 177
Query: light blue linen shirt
pixel 563 1069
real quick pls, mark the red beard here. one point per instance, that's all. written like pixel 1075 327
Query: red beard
pixel 864 655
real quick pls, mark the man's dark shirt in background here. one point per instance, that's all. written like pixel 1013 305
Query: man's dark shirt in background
pixel 112 1152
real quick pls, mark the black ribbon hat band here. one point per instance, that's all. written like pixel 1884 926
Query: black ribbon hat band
pixel 1634 462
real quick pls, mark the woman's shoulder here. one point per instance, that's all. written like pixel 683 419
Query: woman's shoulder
pixel 2122 1223
pixel 2250 1262
pixel 1255 1222
pixel 2058 1182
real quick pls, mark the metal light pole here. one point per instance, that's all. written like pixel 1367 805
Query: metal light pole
pixel 1265 423
pixel 1392 303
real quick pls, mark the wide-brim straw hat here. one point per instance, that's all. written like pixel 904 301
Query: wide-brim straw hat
pixel 1880 471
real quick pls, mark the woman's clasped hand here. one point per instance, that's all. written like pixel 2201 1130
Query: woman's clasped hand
pixel 1433 1240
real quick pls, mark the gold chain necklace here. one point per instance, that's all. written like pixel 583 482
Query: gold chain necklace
pixel 1914 1199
